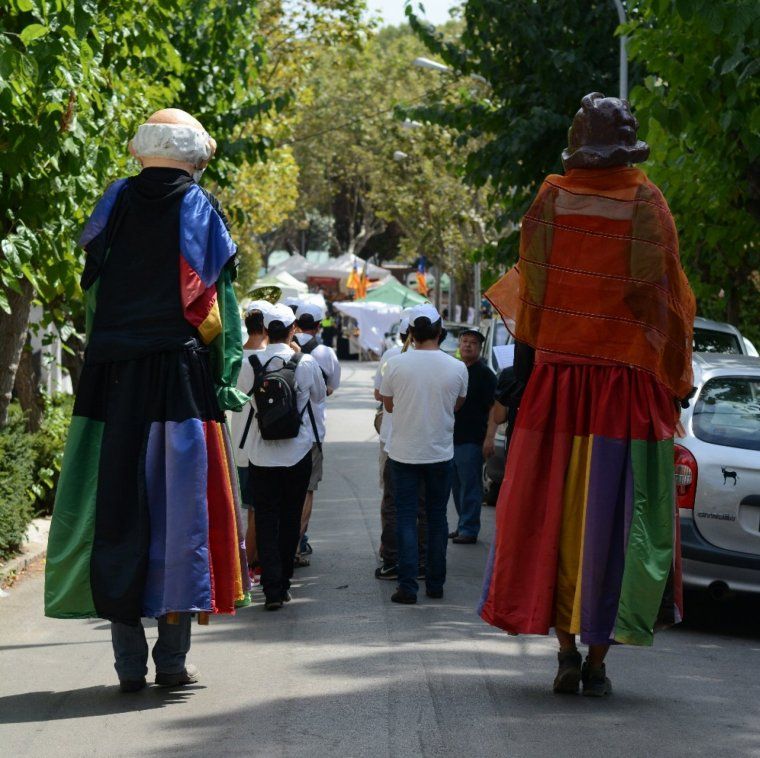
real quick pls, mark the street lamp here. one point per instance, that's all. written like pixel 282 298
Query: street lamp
pixel 623 52
pixel 433 66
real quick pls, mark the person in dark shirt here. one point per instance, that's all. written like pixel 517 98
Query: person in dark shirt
pixel 470 426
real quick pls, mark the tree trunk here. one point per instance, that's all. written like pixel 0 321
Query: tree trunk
pixel 13 329
pixel 27 386
pixel 73 363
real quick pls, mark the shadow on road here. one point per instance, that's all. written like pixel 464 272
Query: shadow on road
pixel 29 707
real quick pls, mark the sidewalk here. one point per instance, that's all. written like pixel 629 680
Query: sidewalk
pixel 34 549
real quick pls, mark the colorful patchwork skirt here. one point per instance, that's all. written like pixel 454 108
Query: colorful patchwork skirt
pixel 586 528
pixel 147 512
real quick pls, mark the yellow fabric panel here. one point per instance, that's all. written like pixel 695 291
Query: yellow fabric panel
pixel 570 563
pixel 212 325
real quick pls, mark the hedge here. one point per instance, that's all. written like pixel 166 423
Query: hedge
pixel 29 468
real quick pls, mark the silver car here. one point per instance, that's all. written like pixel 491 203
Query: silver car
pixel 718 476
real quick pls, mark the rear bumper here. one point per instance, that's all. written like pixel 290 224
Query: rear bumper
pixel 704 564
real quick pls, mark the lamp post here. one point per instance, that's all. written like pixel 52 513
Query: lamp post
pixel 623 52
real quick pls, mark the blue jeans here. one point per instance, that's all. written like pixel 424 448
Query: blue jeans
pixel 468 487
pixel 437 479
pixel 130 648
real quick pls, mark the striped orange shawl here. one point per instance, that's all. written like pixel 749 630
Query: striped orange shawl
pixel 599 276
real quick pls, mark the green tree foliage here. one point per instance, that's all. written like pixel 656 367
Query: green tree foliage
pixel 76 78
pixel 539 59
pixel 699 107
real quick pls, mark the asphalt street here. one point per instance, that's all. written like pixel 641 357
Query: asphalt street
pixel 342 671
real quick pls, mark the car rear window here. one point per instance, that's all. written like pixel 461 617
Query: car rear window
pixel 727 412
pixel 709 341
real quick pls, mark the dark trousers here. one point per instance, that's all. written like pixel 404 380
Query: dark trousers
pixel 406 480
pixel 278 494
pixel 388 542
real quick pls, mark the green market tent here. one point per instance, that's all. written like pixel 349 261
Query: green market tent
pixel 392 292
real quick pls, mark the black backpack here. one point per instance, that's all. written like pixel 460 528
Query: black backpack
pixel 276 401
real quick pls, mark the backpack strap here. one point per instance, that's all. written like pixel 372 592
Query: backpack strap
pixel 257 369
pixel 294 361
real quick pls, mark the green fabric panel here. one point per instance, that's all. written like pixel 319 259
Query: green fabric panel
pixel 227 347
pixel 68 593
pixel 649 553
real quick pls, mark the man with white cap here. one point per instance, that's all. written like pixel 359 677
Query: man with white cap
pixel 388 545
pixel 256 341
pixel 422 388
pixel 278 436
pixel 309 322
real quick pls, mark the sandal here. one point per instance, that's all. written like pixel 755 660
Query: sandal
pixel 301 562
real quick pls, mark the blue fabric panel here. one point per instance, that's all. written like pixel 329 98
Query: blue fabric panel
pixel 99 218
pixel 176 473
pixel 203 239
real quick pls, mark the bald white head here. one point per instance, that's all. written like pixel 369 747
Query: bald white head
pixel 172 138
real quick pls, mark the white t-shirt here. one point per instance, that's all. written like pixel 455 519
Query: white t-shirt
pixel 386 424
pixel 425 386
pixel 310 386
pixel 238 419
pixel 328 361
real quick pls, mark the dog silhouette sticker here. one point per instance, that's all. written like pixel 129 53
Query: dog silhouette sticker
pixel 727 474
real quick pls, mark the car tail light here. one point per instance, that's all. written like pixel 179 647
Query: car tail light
pixel 686 477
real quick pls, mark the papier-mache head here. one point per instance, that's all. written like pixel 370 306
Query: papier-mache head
pixel 172 138
pixel 603 134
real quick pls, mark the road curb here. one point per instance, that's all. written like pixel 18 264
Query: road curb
pixel 34 549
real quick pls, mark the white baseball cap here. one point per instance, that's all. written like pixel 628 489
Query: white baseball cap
pixel 311 310
pixel 403 325
pixel 258 305
pixel 279 312
pixel 426 310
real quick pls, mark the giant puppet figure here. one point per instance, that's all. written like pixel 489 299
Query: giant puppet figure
pixel 146 514
pixel 586 534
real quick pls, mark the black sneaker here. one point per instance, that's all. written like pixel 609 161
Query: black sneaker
pixel 453 534
pixel 387 572
pixel 569 672
pixel 595 681
pixel 286 596
pixel 273 605
pixel 435 594
pixel 399 596
pixel 132 685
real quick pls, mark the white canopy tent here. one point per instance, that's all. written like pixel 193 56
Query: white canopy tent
pixel 296 265
pixel 374 320
pixel 289 285
pixel 341 267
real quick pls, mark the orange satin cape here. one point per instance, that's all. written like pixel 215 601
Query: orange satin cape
pixel 599 276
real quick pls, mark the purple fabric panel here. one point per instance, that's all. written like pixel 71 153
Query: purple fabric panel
pixel 204 241
pixel 177 472
pixel 99 218
pixel 604 538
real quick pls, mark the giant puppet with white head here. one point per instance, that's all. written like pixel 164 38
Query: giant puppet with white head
pixel 148 471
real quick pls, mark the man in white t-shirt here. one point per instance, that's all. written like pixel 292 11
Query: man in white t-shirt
pixel 388 545
pixel 280 468
pixel 422 388
pixel 309 322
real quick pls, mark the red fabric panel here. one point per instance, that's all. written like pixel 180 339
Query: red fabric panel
pixel 197 299
pixel 221 525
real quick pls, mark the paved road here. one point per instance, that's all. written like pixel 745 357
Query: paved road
pixel 343 672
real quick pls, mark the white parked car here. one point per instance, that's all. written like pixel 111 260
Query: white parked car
pixel 718 476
